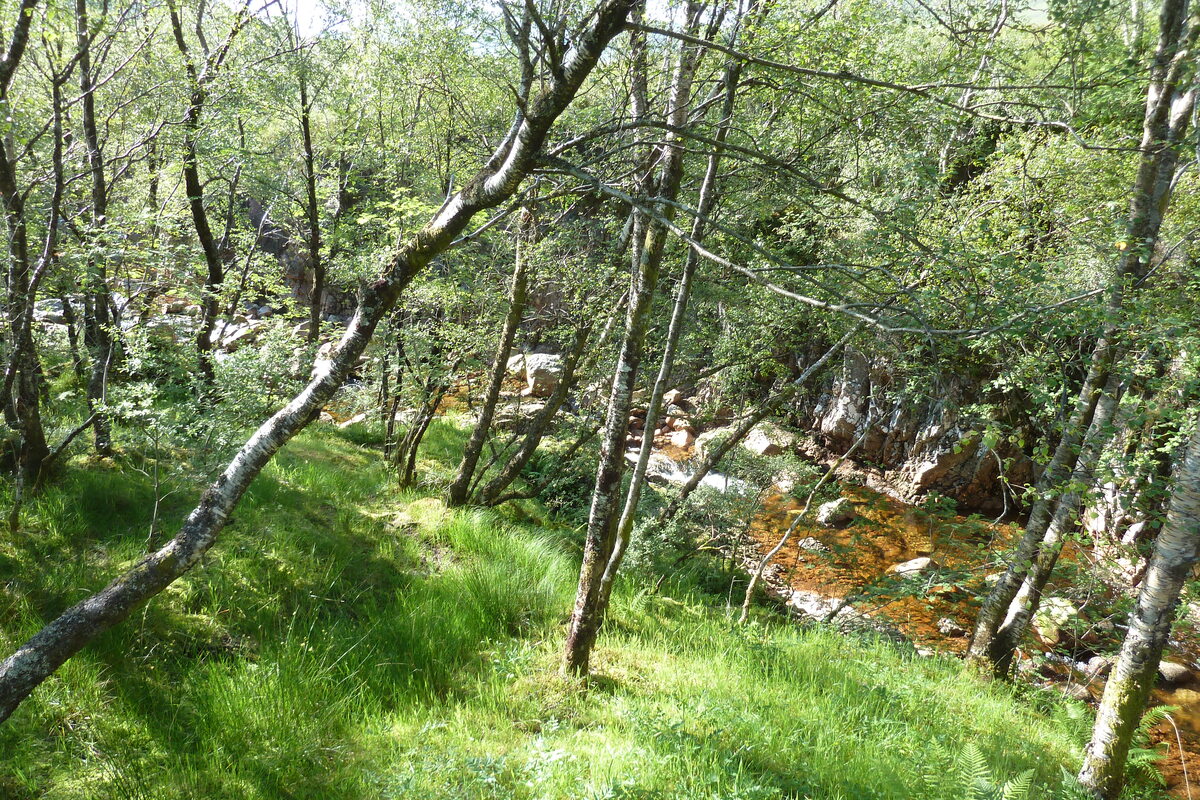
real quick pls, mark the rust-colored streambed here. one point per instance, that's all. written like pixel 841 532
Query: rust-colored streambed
pixel 936 608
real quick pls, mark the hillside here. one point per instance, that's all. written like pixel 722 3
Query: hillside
pixel 350 641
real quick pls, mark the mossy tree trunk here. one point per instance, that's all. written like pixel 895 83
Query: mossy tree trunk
pixel 1176 551
pixel 650 236
pixel 459 489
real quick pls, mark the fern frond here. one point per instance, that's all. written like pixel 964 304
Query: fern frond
pixel 973 773
pixel 1018 788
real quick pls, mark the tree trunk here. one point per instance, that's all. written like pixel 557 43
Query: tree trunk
pixel 46 651
pixel 459 488
pixel 601 538
pixel 492 492
pixel 1169 103
pixel 1175 552
pixel 96 321
pixel 313 212
pixel 1025 603
pixel 704 206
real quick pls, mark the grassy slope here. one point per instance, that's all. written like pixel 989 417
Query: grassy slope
pixel 344 641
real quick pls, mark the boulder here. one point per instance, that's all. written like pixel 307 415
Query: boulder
pixel 357 418
pixel 542 373
pixel 682 425
pixel 671 398
pixel 1098 665
pixel 682 438
pixel 705 439
pixel 914 566
pixel 768 439
pixel 49 311
pixel 1172 673
pixel 1051 616
pixel 1077 691
pixel 836 513
pixel 812 545
pixel 176 306
pixel 516 365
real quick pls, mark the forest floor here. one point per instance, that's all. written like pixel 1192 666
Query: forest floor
pixel 348 640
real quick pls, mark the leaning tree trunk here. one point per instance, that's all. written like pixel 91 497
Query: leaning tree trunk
pixel 73 629
pixel 601 538
pixel 459 488
pixel 1176 551
pixel 1027 599
pixel 704 206
pixel 493 492
pixel 1170 99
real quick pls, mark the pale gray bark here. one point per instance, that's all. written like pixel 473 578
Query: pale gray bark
pixel 1066 513
pixel 600 540
pixel 704 206
pixel 1176 551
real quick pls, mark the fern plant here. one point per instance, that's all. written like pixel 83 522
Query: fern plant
pixel 1141 765
pixel 978 783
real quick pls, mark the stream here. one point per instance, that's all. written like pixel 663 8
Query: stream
pixel 822 570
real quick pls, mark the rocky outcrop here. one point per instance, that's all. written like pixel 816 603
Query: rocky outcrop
pixel 923 446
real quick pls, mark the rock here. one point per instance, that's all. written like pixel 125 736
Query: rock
pixel 237 337
pixel 301 329
pixel 683 425
pixel 768 439
pixel 542 372
pixel 516 365
pixel 357 418
pixel 705 439
pixel 671 398
pixel 1051 616
pixel 1134 532
pixel 327 418
pixel 193 310
pixel 176 306
pixel 836 513
pixel 1097 666
pixel 914 566
pixel 682 438
pixel 161 332
pixel 1077 691
pixel 49 311
pixel 948 627
pixel 1172 673
pixel 812 545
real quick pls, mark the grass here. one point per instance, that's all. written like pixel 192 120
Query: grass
pixel 344 640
